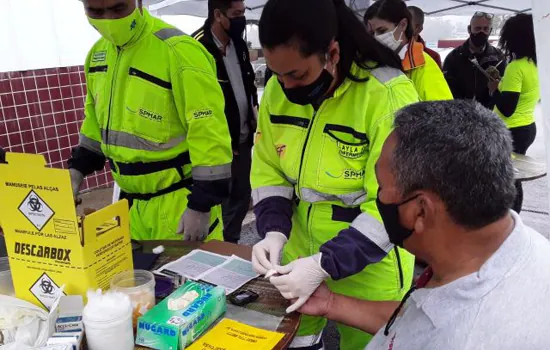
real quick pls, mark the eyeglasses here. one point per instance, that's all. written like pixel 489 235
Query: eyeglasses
pixel 484 14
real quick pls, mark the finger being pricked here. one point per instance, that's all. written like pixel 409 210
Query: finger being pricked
pixel 297 304
pixel 280 281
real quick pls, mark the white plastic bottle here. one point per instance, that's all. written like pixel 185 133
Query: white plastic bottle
pixel 108 321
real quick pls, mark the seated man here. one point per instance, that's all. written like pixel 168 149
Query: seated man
pixel 446 187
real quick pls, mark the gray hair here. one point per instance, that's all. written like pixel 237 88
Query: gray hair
pixel 460 151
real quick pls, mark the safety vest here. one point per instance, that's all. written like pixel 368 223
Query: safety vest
pixel 155 109
pixel 329 155
pixel 427 77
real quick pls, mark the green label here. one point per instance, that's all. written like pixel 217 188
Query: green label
pixel 100 56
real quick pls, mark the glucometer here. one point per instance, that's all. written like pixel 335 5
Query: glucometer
pixel 243 297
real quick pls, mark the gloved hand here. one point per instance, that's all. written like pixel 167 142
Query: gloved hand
pixel 271 245
pixel 194 225
pixel 300 279
pixel 76 181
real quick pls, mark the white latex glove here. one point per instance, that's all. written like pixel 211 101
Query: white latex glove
pixel 76 181
pixel 271 245
pixel 194 225
pixel 299 279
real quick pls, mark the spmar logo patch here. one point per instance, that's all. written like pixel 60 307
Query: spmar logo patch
pixel 150 115
pixel 348 174
pixel 202 113
pixel 351 151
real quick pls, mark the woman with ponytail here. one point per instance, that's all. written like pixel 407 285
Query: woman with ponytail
pixel 390 23
pixel 323 120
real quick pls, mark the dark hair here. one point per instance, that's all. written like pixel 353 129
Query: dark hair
pixel 473 175
pixel 392 11
pixel 222 5
pixel 313 24
pixel 517 37
pixel 417 14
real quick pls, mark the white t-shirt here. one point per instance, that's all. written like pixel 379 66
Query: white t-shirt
pixel 505 305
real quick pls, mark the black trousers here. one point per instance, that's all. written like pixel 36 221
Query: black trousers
pixel 235 207
pixel 522 137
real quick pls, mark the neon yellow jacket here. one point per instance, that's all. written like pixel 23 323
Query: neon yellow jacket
pixel 329 155
pixel 430 82
pixel 154 108
pixel 426 75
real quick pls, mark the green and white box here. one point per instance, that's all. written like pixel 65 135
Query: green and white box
pixel 181 318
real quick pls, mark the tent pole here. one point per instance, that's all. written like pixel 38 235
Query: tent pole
pixel 541 18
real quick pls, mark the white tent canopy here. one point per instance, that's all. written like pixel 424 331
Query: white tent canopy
pixel 431 7
pixel 200 7
pixel 467 8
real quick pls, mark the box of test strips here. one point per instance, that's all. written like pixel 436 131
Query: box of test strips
pixel 181 318
pixel 70 314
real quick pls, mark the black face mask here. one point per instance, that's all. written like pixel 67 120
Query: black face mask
pixel 390 217
pixel 237 25
pixel 479 39
pixel 309 94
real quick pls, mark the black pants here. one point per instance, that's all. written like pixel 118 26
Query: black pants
pixel 523 137
pixel 234 209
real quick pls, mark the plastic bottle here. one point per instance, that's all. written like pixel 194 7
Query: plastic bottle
pixel 139 286
pixel 108 321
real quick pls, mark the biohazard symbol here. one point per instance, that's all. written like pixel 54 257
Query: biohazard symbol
pixel 46 286
pixel 281 150
pixel 34 204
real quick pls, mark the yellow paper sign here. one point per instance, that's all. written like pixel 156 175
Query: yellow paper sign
pixel 233 335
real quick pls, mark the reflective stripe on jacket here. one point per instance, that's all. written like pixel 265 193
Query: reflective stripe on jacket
pixel 154 108
pixel 329 155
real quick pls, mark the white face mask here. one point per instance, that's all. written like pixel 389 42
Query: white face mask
pixel 388 39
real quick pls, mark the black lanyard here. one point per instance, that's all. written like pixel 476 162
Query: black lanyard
pixel 396 312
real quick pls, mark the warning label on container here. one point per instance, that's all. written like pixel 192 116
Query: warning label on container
pixel 45 290
pixel 36 210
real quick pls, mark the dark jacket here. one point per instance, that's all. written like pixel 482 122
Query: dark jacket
pixel 205 37
pixel 464 79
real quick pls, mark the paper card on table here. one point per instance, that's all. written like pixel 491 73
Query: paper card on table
pixel 233 335
pixel 193 264
pixel 232 274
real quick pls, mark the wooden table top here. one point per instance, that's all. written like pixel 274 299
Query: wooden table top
pixel 270 301
pixel 527 168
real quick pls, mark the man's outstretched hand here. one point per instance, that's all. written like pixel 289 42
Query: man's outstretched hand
pixel 319 303
pixel 299 279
